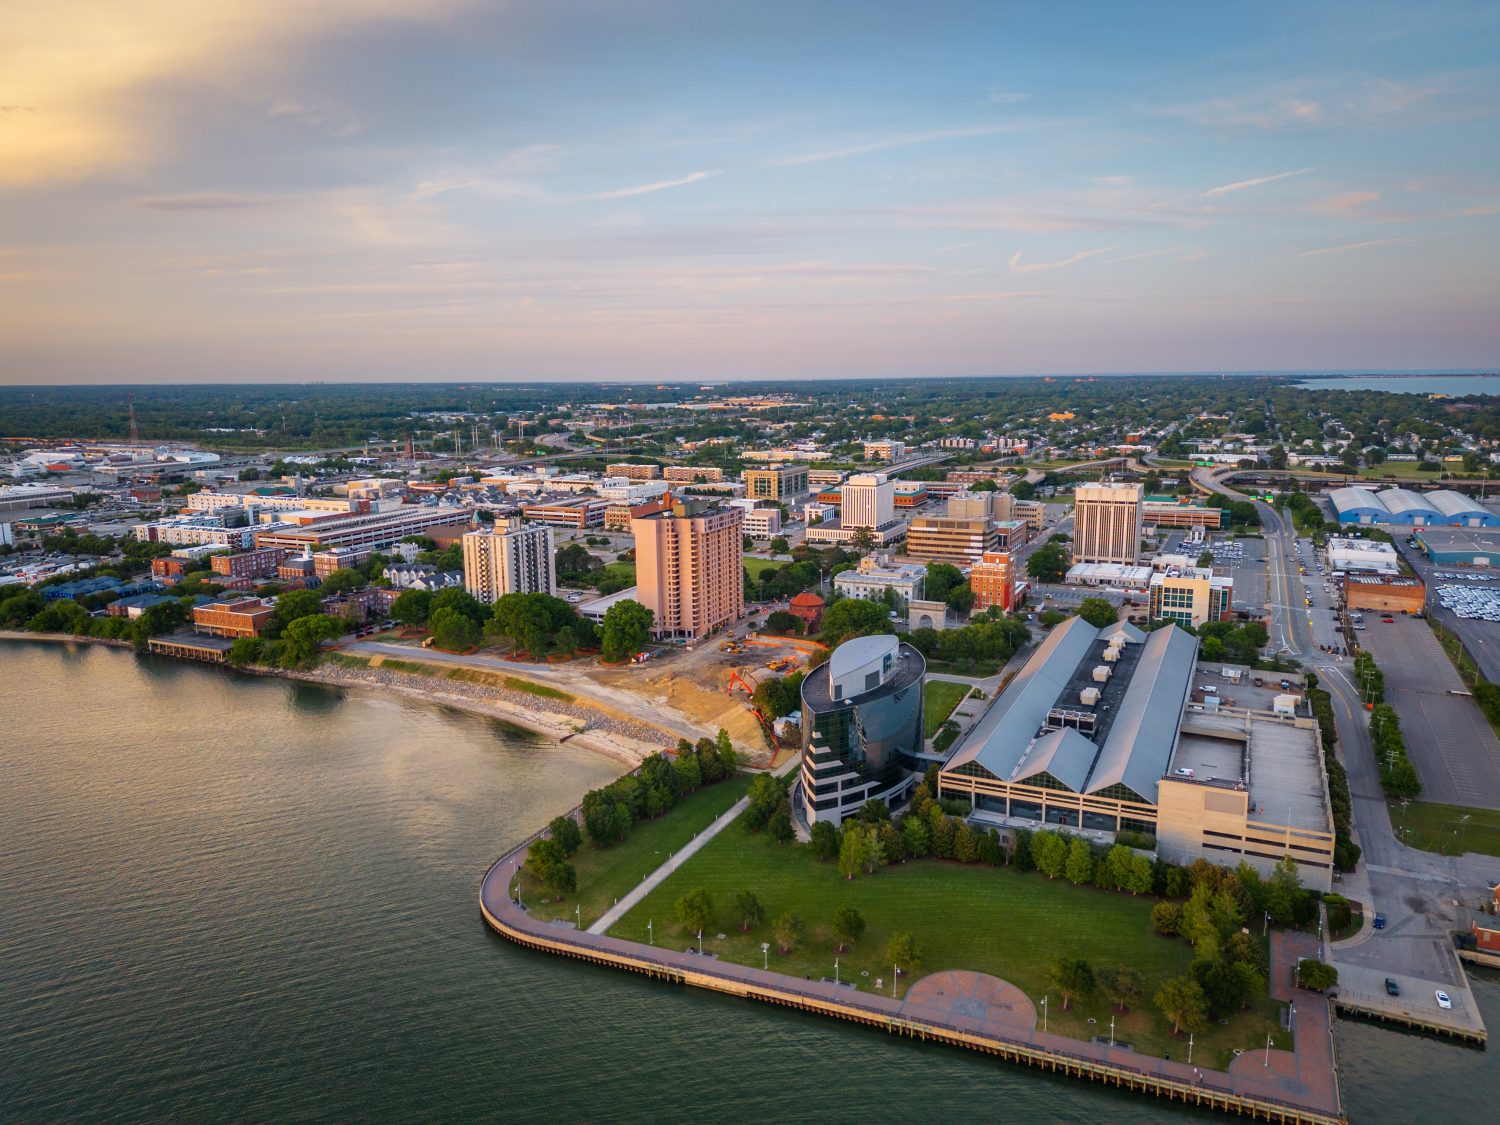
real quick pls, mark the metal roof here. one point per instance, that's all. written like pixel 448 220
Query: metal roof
pixel 1403 501
pixel 1000 739
pixel 1452 503
pixel 1144 733
pixel 1354 498
pixel 1065 754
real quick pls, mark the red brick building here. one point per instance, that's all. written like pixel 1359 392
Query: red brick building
pixel 261 563
pixel 169 570
pixel 809 607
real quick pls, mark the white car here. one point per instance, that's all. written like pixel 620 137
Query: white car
pixel 1183 772
pixel 1442 999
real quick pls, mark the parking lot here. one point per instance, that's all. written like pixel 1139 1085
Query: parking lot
pixel 1480 636
pixel 1456 754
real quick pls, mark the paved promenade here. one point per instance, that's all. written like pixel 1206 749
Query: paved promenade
pixel 976 1011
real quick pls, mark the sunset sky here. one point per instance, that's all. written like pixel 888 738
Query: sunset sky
pixel 248 190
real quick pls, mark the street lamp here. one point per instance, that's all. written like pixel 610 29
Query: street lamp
pixel 835 972
pixel 1268 1050
pixel 1111 1030
pixel 1190 1048
pixel 765 955
pixel 650 933
pixel 895 972
pixel 1044 1014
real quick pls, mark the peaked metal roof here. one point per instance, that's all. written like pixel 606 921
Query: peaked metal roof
pixel 1144 732
pixel 1065 754
pixel 1001 737
pixel 1452 503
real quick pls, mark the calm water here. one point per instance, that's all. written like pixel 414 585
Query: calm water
pixel 1456 385
pixel 225 898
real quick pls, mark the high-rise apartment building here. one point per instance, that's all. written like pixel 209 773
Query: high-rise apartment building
pixel 513 558
pixel 868 500
pixel 1107 523
pixel 689 568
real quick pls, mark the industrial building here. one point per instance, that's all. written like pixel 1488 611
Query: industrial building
pixel 1459 546
pixel 1361 555
pixel 1103 731
pixel 1395 593
pixel 861 728
pixel 1441 507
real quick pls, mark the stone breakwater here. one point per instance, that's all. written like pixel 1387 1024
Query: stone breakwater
pixel 557 718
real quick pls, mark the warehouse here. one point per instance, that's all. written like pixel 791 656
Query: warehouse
pixel 1408 507
pixel 1460 511
pixel 1358 505
pixel 1460 546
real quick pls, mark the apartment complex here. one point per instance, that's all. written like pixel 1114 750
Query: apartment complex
pixel 993 580
pixel 1107 523
pixel 692 474
pixel 248 564
pixel 884 450
pixel 689 568
pixel 577 512
pixel 779 483
pixel 632 471
pixel 373 530
pixel 940 539
pixel 509 559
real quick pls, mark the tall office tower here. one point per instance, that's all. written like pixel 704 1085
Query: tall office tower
pixel 1107 523
pixel 511 559
pixel 868 500
pixel 689 568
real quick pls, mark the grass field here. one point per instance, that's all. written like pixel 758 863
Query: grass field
pixel 604 874
pixel 1442 829
pixel 965 917
pixel 939 697
pixel 624 570
pixel 755 566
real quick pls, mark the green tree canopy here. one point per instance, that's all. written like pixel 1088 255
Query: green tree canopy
pixel 627 628
pixel 848 926
pixel 411 607
pixel 1098 612
pixel 854 617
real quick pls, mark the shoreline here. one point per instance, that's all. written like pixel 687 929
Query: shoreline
pixel 617 747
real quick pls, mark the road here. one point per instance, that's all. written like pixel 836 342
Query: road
pixel 1422 895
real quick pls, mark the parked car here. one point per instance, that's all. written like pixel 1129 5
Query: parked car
pixel 1443 1001
pixel 1380 921
pixel 1391 987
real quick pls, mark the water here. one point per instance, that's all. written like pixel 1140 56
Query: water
pixel 1455 385
pixel 224 897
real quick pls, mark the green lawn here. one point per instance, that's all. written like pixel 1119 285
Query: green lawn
pixel 965 917
pixel 604 874
pixel 939 697
pixel 618 569
pixel 755 566
pixel 1442 829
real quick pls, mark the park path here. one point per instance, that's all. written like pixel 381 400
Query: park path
pixel 690 849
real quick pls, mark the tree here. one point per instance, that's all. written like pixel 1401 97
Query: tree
pixel 904 953
pixel 942 579
pixel 1072 976
pixel 246 650
pixel 779 546
pixel 1098 612
pixel 960 599
pixel 627 628
pixel 303 639
pixel 1316 975
pixel 787 930
pixel 564 829
pixel 342 581
pixel 1050 851
pixel 848 926
pixel 1048 563
pixel 915 838
pixel 1166 918
pixel 825 840
pixel 411 607
pixel 1123 985
pixel 782 623
pixel 1182 1001
pixel 1283 889
pixel 779 827
pixel 561 879
pixel 853 617
pixel 695 911
pixel 461 601
pixel 748 910
pixel 290 606
pixel 453 630
pixel 854 850
pixel 1079 866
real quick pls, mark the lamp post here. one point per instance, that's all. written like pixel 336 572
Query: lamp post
pixel 578 913
pixel 1044 1015
pixel 700 941
pixel 895 972
pixel 835 972
pixel 650 932
pixel 1267 1063
pixel 1190 1048
pixel 1111 1030
pixel 765 955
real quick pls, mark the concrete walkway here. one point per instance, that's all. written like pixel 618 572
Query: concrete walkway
pixel 693 846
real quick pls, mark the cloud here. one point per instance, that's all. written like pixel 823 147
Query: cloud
pixel 200 202
pixel 81 76
pixel 1030 267
pixel 644 189
pixel 1241 185
pixel 1349 247
pixel 999 295
pixel 1112 181
pixel 994 96
pixel 325 119
pixel 1147 254
pixel 1345 204
pixel 903 140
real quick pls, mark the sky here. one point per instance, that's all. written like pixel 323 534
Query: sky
pixel 407 190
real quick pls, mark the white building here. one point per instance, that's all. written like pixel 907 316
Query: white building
pixel 513 558
pixel 867 500
pixel 763 523
pixel 884 450
pixel 872 578
pixel 1364 555
pixel 1107 523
